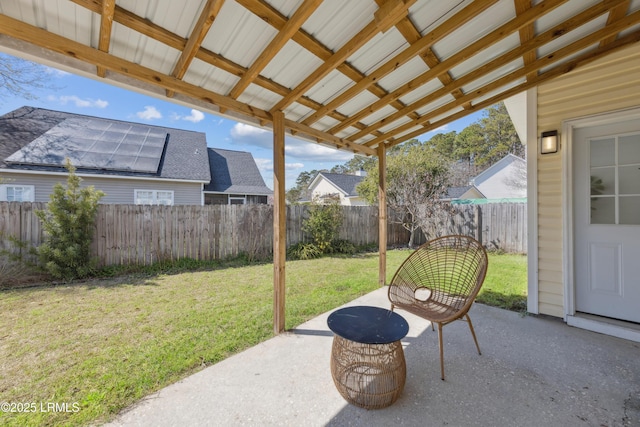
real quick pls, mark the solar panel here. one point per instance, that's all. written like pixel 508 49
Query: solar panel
pixel 96 144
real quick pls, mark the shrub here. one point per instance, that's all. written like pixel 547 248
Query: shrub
pixel 323 224
pixel 342 246
pixel 303 251
pixel 68 223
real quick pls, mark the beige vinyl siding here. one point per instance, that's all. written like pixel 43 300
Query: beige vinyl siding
pixel 117 190
pixel 612 83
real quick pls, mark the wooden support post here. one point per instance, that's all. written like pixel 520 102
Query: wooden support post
pixel 279 223
pixel 382 214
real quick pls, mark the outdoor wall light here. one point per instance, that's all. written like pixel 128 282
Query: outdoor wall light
pixel 549 142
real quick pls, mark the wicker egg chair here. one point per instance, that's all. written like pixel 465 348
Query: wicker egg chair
pixel 439 281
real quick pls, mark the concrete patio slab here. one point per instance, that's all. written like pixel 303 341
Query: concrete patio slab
pixel 533 371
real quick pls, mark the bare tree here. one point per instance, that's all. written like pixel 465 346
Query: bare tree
pixel 416 181
pixel 19 78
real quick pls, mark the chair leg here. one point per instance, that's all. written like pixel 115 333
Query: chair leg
pixel 440 345
pixel 473 332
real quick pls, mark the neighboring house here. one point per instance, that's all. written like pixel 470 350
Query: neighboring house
pixel 235 179
pixel 132 163
pixel 504 180
pixel 337 186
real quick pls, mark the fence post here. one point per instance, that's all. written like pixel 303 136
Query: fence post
pixel 478 221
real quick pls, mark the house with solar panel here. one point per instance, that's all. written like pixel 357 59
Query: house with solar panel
pixel 131 163
pixel 337 186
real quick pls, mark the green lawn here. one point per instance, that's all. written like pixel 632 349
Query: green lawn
pixel 101 345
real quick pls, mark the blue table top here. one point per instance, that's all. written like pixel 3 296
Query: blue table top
pixel 368 325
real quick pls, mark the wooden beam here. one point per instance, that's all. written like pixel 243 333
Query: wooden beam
pixel 290 28
pixel 447 27
pixel 106 24
pixel 616 13
pixel 382 215
pixel 495 64
pixel 526 33
pixel 279 224
pixel 390 12
pixel 555 72
pixel 149 29
pixel 205 20
pixel 329 65
pixel 444 66
pixel 73 49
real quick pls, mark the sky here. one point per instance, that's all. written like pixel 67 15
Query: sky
pixel 81 95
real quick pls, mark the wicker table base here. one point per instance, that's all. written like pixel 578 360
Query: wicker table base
pixel 370 376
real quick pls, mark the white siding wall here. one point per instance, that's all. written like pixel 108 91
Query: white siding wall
pixel 325 187
pixel 117 190
pixel 610 84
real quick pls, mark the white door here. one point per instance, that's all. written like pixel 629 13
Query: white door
pixel 606 197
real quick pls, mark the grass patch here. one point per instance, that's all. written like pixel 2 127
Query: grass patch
pixel 106 343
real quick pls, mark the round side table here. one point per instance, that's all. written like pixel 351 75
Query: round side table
pixel 367 360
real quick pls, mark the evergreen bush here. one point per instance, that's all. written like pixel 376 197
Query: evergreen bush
pixel 68 223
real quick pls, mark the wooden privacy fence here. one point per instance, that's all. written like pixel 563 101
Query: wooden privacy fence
pixel 134 234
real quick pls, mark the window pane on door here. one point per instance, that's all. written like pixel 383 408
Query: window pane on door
pixel 630 210
pixel 629 180
pixel 603 181
pixel 603 210
pixel 629 149
pixel 603 152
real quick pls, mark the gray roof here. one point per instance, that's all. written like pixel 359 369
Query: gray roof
pixel 39 139
pixel 456 192
pixel 235 172
pixel 346 183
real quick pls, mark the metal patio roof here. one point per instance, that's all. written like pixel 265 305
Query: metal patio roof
pixel 351 74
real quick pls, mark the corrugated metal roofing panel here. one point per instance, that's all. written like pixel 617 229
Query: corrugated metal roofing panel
pixel 380 49
pixel 258 96
pixel 421 92
pixel 230 37
pixel 327 88
pixel 403 74
pixel 287 71
pixel 428 14
pixel 243 29
pixel 357 103
pixel 476 28
pixel 336 22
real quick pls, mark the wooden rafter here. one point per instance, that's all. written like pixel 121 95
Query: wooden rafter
pixel 582 60
pixel 106 23
pixel 73 49
pixel 417 48
pixel 500 33
pixel 359 40
pixel 268 14
pixel 547 61
pixel 324 121
pixel 288 30
pixel 616 13
pixel 412 35
pixel 526 33
pixel 149 29
pixel 194 41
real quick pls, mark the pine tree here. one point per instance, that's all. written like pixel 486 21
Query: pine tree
pixel 68 223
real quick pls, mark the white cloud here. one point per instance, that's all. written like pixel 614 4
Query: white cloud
pixel 149 113
pixel 79 102
pixel 244 134
pixel 195 116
